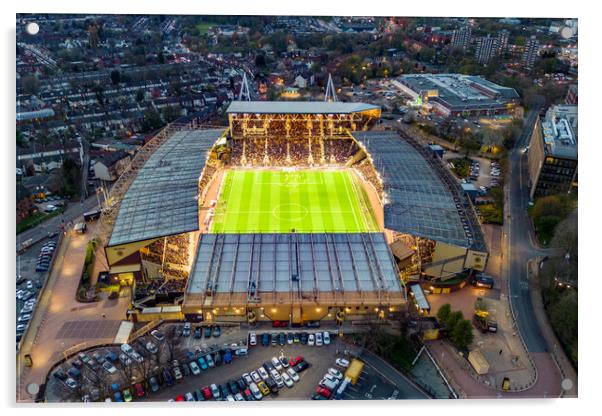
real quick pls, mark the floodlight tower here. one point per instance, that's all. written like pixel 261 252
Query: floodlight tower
pixel 244 89
pixel 331 94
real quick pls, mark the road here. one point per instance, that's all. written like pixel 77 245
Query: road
pixel 73 211
pixel 519 246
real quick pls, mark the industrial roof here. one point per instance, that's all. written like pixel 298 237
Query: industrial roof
pixel 311 263
pixel 417 201
pixel 298 107
pixel 162 199
pixel 460 91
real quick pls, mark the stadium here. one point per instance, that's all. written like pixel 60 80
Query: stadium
pixel 296 211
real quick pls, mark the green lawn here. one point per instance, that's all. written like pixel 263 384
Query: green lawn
pixel 280 201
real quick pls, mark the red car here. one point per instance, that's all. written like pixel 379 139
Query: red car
pixel 323 392
pixel 180 398
pixel 139 390
pixel 207 393
pixel 296 360
pixel 279 324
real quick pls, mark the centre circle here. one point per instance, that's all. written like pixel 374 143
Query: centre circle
pixel 290 212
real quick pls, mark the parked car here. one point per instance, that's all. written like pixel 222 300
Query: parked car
pixel 207 393
pixel 279 324
pixel 198 332
pixel 326 337
pixel 296 360
pixel 109 368
pixel 111 356
pixel 157 335
pixel 263 388
pixel 255 376
pixel 194 368
pixel 217 331
pixel 152 348
pixel 319 342
pixel 185 369
pixel 323 392
pixel 189 397
pixel 256 392
pixel 302 366
pixel 125 360
pixel 215 391
pixel 210 361
pixel 289 338
pixel 276 363
pixel 336 373
pixel 311 340
pixel 282 338
pixel 293 374
pixel 283 361
pixel 60 375
pixel 202 363
pixel 139 390
pixel 303 338
pixel 207 332
pixel 167 378
pixel 186 330
pixel 288 381
pixel 252 338
pixel 154 384
pixel 265 339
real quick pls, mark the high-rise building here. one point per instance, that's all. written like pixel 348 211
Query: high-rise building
pixel 531 52
pixel 486 49
pixel 552 153
pixel 461 37
pixel 502 41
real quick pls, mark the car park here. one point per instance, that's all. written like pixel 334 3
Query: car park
pixel 98 357
pixel 74 373
pixel 167 378
pixel 111 356
pixel 124 359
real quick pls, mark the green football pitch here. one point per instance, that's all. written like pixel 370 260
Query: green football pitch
pixel 280 201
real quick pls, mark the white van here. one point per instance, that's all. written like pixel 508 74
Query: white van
pixel 126 348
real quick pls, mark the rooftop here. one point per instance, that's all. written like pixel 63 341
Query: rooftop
pixel 458 91
pixel 298 107
pixel 257 267
pixel 560 131
pixel 162 199
pixel 416 201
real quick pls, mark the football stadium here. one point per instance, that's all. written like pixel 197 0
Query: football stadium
pixel 296 211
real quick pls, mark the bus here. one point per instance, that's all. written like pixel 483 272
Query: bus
pixel 92 215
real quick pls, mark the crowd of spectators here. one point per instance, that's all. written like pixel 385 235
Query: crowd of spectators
pixel 171 254
pixel 368 173
pixel 279 151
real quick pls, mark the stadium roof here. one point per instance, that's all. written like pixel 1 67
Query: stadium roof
pixel 255 264
pixel 298 107
pixel 417 201
pixel 162 199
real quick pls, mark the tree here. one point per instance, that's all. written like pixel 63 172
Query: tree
pixel 151 120
pixel 443 312
pixel 31 85
pixel 115 77
pixel 139 96
pixel 461 335
pixel 170 113
pixel 452 319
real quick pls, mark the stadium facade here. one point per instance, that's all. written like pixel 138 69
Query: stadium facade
pixel 162 239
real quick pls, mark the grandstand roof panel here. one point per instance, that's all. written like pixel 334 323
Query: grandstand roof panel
pixel 162 199
pixel 417 201
pixel 298 107
pixel 255 263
